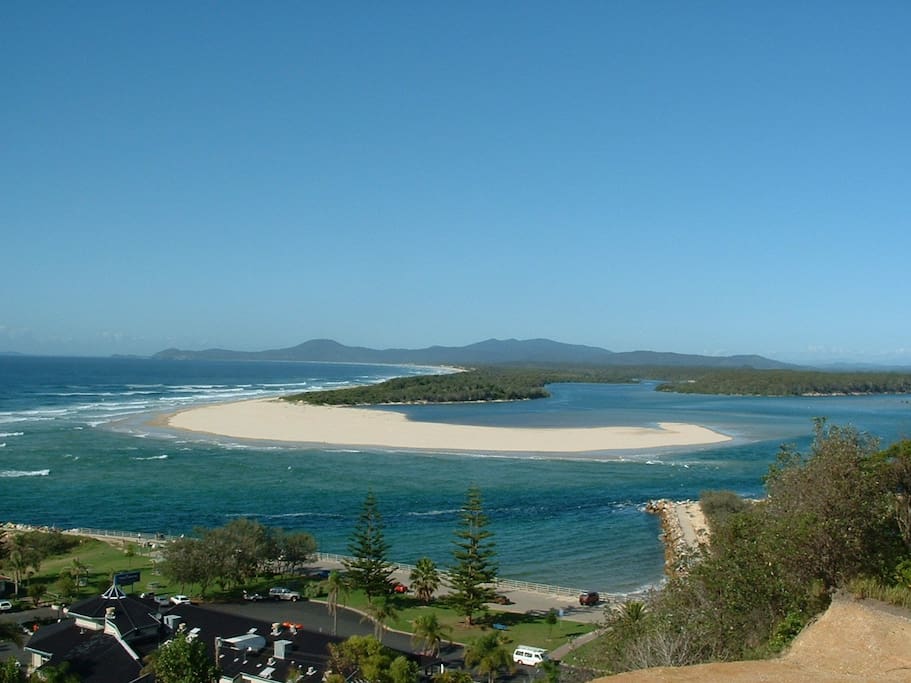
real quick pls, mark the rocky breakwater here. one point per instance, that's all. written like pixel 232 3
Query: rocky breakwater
pixel 684 531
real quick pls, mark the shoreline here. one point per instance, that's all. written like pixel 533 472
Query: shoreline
pixel 684 532
pixel 274 420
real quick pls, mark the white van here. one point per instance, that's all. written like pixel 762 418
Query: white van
pixel 529 656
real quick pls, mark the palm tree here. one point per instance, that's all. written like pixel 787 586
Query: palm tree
pixel 425 579
pixel 632 613
pixel 488 655
pixel 428 633
pixel 17 560
pixel 78 570
pixel 335 584
pixel 36 592
pixel 381 611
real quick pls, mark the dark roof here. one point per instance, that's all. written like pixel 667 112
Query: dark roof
pixel 130 614
pixel 93 656
pixel 308 649
pixel 99 658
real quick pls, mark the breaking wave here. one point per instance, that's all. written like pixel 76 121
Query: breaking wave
pixel 11 474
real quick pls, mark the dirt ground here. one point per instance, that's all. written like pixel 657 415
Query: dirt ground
pixel 851 641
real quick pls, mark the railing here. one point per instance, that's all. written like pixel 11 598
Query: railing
pixel 137 536
pixel 512 584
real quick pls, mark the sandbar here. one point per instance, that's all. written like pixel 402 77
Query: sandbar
pixel 276 420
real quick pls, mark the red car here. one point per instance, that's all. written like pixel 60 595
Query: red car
pixel 399 587
pixel 589 598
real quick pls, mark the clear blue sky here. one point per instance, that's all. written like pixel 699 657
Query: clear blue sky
pixel 701 177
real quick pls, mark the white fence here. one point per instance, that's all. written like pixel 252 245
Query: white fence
pixel 134 536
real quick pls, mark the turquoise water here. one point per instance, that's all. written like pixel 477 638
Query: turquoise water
pixel 77 452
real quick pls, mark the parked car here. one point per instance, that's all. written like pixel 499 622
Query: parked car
pixel 501 599
pixel 280 593
pixel 5 605
pixel 398 587
pixel 589 598
pixel 253 597
pixel 529 656
pixel 180 600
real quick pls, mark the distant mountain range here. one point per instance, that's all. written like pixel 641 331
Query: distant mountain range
pixel 489 352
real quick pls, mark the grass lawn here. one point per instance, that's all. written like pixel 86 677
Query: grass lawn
pixel 104 559
pixel 522 629
pixel 525 629
pixel 588 656
pixel 101 560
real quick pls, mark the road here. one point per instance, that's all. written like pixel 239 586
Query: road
pixel 315 617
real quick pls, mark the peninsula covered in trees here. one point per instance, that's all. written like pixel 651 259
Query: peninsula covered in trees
pixel 510 383
pixel 790 383
pixel 480 384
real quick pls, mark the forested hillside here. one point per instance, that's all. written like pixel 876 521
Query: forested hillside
pixel 790 383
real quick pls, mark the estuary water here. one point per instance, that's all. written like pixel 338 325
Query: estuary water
pixel 76 450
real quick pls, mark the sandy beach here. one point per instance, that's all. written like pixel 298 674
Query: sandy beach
pixel 276 420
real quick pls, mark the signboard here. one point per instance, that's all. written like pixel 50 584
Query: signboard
pixel 126 578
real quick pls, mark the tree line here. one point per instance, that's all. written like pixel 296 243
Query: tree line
pixel 749 382
pixel 479 384
pixel 232 555
pixel 21 554
pixel 513 383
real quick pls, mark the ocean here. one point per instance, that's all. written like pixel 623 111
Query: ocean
pixel 76 450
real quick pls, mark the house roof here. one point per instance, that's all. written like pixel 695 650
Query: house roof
pixel 98 657
pixel 308 650
pixel 93 656
pixel 130 614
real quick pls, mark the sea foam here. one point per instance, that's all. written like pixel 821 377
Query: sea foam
pixel 10 474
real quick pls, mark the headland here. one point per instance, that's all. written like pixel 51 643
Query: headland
pixel 276 420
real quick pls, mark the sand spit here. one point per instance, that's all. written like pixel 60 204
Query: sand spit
pixel 276 420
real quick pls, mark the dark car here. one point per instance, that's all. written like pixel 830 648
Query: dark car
pixel 589 598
